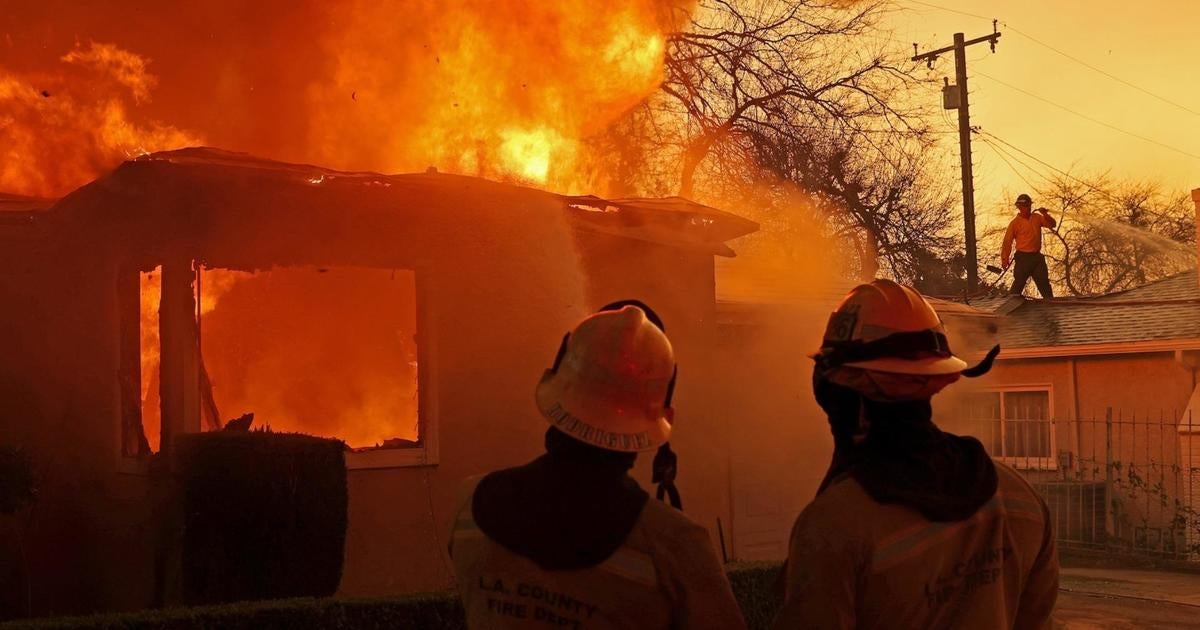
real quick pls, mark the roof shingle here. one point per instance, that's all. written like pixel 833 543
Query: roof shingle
pixel 1162 310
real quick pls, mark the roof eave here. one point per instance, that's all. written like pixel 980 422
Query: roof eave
pixel 1099 349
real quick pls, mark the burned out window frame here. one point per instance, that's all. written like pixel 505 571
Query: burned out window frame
pixel 132 451
pixel 176 306
pixel 426 451
pixel 128 384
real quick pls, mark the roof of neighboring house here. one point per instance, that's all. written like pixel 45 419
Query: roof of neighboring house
pixel 997 305
pixel 744 288
pixel 948 307
pixel 1168 309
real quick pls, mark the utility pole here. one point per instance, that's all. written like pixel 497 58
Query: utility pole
pixel 955 97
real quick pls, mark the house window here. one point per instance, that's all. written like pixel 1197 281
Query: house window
pixel 138 298
pixel 1014 425
pixel 330 352
pixel 149 355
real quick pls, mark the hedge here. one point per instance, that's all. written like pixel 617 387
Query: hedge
pixel 264 515
pixel 752 584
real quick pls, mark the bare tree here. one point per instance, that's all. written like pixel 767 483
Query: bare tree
pixel 750 67
pixel 807 94
pixel 888 209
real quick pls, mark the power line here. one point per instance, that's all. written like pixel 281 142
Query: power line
pixel 1091 187
pixel 941 8
pixel 1016 159
pixel 1090 119
pixel 1100 71
pixel 1066 55
pixel 1031 156
pixel 1009 164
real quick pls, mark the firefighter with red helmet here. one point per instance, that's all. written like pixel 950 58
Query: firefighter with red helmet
pixel 913 527
pixel 570 539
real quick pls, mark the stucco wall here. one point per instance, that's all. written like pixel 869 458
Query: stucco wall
pixel 1116 417
pixel 504 285
pixel 88 537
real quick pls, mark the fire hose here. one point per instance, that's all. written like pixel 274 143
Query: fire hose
pixel 999 275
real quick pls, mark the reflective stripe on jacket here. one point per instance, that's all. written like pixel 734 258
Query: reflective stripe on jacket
pixel 666 575
pixel 856 563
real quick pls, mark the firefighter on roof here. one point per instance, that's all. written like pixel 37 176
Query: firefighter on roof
pixel 913 527
pixel 1025 230
pixel 570 539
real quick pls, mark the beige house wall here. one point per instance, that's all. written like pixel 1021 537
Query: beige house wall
pixel 1123 409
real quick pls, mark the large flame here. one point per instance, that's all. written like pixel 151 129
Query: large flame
pixel 57 131
pixel 506 90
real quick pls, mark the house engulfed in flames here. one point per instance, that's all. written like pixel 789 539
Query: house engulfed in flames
pixel 409 315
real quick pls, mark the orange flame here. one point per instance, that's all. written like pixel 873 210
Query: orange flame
pixel 506 90
pixel 57 132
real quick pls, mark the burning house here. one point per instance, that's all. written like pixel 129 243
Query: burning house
pixel 408 315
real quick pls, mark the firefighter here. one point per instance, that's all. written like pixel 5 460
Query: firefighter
pixel 1025 230
pixel 914 527
pixel 570 539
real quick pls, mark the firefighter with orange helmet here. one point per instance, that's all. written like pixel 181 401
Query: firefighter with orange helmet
pixel 570 539
pixel 912 527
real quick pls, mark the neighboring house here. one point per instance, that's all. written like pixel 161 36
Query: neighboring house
pixel 1095 399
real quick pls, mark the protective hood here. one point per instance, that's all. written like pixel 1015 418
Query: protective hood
pixel 898 456
pixel 568 509
pixel 905 459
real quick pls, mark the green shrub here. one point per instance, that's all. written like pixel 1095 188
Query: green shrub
pixel 752 584
pixel 755 585
pixel 264 515
pixel 439 611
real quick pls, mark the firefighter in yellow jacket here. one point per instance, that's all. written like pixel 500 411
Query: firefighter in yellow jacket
pixel 570 540
pixel 913 527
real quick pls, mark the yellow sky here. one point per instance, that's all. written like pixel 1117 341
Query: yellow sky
pixel 1152 44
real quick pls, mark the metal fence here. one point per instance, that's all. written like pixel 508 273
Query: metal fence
pixel 1117 482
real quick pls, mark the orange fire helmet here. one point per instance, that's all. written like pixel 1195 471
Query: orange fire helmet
pixel 887 327
pixel 611 384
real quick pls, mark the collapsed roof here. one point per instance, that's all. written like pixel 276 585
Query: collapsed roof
pixel 201 196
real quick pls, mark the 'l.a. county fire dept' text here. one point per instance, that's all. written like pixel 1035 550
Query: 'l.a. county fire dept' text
pixel 535 602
